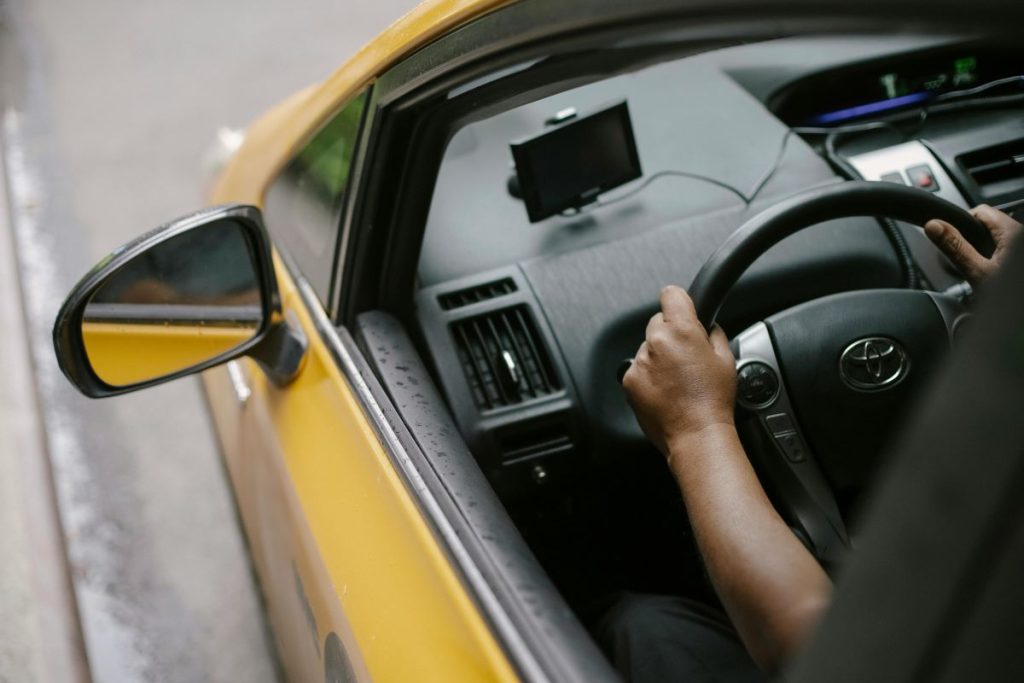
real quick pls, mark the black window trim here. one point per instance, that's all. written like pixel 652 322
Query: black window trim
pixel 345 212
pixel 333 248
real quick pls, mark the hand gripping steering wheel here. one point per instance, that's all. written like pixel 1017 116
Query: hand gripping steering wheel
pixel 822 385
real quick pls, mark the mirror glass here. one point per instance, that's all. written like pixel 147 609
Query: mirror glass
pixel 182 302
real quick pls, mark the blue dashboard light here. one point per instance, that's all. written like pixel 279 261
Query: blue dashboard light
pixel 870 108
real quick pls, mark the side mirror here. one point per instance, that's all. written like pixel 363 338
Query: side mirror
pixel 189 295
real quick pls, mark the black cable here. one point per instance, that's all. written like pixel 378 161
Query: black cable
pixel 682 174
pixel 837 160
pixel 946 102
pixel 971 92
pixel 770 172
pixel 938 104
pixel 903 254
pixel 892 231
pixel 746 198
pixel 833 135
pixel 849 128
pixel 931 109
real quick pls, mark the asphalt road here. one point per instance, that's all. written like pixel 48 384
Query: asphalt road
pixel 108 109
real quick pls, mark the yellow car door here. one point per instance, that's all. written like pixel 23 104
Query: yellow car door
pixel 351 571
pixel 373 563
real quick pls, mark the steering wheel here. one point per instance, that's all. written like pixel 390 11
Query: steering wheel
pixel 823 384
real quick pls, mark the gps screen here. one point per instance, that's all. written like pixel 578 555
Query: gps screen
pixel 569 166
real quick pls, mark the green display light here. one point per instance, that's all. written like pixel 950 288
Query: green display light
pixel 965 65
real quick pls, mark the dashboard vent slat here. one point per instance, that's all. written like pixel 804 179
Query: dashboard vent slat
pixel 997 170
pixel 475 294
pixel 520 356
pixel 469 364
pixel 492 343
pixel 504 358
pixel 540 368
pixel 483 356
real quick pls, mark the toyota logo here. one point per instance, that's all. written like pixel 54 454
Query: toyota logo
pixel 873 364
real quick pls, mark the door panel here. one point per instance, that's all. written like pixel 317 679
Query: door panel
pixel 331 514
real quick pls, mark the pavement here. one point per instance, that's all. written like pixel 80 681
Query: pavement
pixel 122 557
pixel 40 638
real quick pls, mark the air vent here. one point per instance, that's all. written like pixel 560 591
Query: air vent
pixel 504 358
pixel 476 294
pixel 996 170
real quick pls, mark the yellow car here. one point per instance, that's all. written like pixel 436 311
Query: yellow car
pixel 418 280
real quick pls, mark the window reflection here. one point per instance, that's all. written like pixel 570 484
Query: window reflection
pixel 182 302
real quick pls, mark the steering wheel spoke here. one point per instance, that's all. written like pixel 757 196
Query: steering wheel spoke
pixel 787 462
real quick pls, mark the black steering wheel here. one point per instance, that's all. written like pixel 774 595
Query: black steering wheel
pixel 822 385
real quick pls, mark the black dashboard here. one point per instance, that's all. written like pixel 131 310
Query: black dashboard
pixel 525 323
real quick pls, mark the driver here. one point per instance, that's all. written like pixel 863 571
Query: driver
pixel 682 387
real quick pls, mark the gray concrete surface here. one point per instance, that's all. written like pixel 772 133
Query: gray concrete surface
pixel 107 109
pixel 39 635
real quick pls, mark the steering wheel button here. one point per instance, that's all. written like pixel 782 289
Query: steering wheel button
pixel 757 385
pixel 790 445
pixel 779 423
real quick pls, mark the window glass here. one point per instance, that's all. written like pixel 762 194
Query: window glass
pixel 303 204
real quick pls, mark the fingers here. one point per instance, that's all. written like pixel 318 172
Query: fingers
pixel 720 343
pixel 988 216
pixel 960 252
pixel 656 320
pixel 632 374
pixel 1001 226
pixel 658 335
pixel 677 305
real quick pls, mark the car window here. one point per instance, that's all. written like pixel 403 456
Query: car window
pixel 303 204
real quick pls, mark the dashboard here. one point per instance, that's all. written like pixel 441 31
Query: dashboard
pixel 525 322
pixel 882 86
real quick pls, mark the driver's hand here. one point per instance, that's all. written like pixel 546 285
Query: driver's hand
pixel 681 381
pixel 975 267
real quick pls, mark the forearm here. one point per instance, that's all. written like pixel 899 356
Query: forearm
pixel 772 587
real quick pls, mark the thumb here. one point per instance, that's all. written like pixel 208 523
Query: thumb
pixel 948 239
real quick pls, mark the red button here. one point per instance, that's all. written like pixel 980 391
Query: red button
pixel 922 177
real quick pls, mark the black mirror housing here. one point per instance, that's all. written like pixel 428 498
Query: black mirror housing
pixel 249 242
